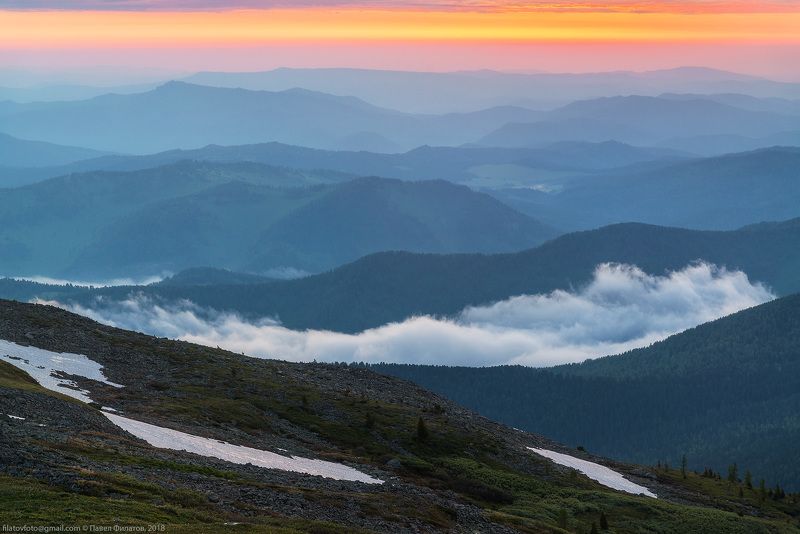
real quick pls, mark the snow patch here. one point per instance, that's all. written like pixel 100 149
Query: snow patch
pixel 600 473
pixel 48 368
pixel 15 417
pixel 165 438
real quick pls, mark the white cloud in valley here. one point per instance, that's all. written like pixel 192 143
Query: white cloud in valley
pixel 620 309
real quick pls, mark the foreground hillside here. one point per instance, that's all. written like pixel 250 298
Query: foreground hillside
pixel 408 461
pixel 725 392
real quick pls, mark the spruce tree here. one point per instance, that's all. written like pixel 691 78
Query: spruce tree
pixel 562 518
pixel 748 479
pixel 422 430
pixel 369 421
pixel 733 473
pixel 683 466
pixel 594 528
pixel 603 521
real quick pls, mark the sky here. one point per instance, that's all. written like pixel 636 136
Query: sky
pixel 757 37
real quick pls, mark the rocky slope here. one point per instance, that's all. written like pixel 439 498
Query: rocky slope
pixel 443 467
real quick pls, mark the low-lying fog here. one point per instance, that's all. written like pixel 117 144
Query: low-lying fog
pixel 620 309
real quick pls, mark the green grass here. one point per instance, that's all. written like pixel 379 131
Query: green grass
pixel 86 449
pixel 27 502
pixel 12 377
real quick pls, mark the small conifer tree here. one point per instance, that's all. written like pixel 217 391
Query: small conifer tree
pixel 562 518
pixel 733 473
pixel 422 430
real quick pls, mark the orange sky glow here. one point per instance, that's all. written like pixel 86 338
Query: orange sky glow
pixel 104 28
pixel 718 25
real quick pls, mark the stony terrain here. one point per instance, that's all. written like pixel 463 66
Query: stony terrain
pixel 463 473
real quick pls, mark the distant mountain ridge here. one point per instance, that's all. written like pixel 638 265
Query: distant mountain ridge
pixel 468 165
pixel 242 216
pixel 24 153
pixel 434 92
pixel 640 120
pixel 720 193
pixel 182 115
pixel 743 101
pixel 393 286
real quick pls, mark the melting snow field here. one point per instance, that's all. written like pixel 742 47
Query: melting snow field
pixel 603 475
pixel 166 438
pixel 45 367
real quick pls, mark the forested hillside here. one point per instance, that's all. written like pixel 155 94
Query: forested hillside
pixel 242 216
pixel 717 193
pixel 723 393
pixel 392 286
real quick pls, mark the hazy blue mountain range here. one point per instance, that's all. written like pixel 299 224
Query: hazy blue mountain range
pixel 46 225
pixel 722 393
pixel 722 192
pixel 242 216
pixel 717 144
pixel 53 92
pixel 714 193
pixel 181 115
pixel 774 105
pixel 106 78
pixel 640 120
pixel 475 166
pixel 429 92
pixel 393 286
pixel 23 153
